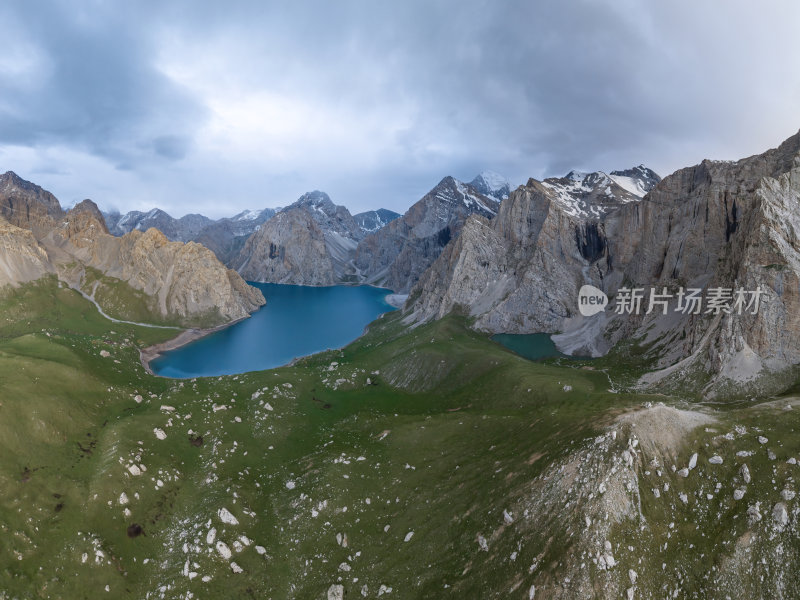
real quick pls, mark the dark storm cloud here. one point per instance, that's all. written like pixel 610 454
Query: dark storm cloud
pixel 91 83
pixel 220 106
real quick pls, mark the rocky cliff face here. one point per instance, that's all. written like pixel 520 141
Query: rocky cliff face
pixel 22 259
pixel 289 248
pixel 518 273
pixel 184 281
pixel 398 254
pixel 310 242
pixel 726 225
pixel 721 225
pixel 26 205
pixel 521 272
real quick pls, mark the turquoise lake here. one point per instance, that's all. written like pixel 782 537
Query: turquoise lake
pixel 296 321
pixel 533 346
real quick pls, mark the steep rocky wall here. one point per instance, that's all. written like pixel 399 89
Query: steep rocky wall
pixel 716 225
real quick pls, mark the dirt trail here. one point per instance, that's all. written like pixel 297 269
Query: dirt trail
pixel 112 319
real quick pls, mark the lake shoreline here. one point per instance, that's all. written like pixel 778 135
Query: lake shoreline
pixel 187 336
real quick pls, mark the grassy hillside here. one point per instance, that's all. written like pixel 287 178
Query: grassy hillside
pixel 433 462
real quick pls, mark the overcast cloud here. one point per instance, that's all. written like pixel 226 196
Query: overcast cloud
pixel 215 107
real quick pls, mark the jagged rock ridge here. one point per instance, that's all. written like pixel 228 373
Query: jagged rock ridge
pixel 594 194
pixel 224 237
pixel 716 225
pixel 520 272
pixel 181 230
pixel 186 282
pixel 397 255
pixel 254 244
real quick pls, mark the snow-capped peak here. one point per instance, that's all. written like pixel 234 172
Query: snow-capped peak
pixel 317 201
pixel 638 180
pixel 490 183
pixel 247 215
pixel 594 194
pixel 577 176
pixel 493 180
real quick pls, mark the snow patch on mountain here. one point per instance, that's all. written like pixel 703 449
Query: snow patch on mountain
pixel 594 194
pixel 473 201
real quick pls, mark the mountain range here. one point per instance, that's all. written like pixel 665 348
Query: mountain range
pixel 316 242
pixel 718 227
pixel 516 264
pixel 176 282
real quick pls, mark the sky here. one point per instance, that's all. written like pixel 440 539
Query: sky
pixel 208 107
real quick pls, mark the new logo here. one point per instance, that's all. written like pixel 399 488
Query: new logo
pixel 591 300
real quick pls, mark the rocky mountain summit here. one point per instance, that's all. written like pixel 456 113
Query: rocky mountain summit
pixel 721 228
pixel 638 180
pixel 180 282
pixel 372 220
pixel 329 216
pixel 396 255
pixel 26 205
pixel 491 184
pixel 315 242
pixel 594 194
pixel 289 248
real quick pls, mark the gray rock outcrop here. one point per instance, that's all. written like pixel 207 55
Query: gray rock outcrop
pixel 399 253
pixel 289 248
pixel 310 242
pixel 521 271
pixel 22 259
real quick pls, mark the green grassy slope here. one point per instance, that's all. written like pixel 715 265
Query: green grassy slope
pixel 388 464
